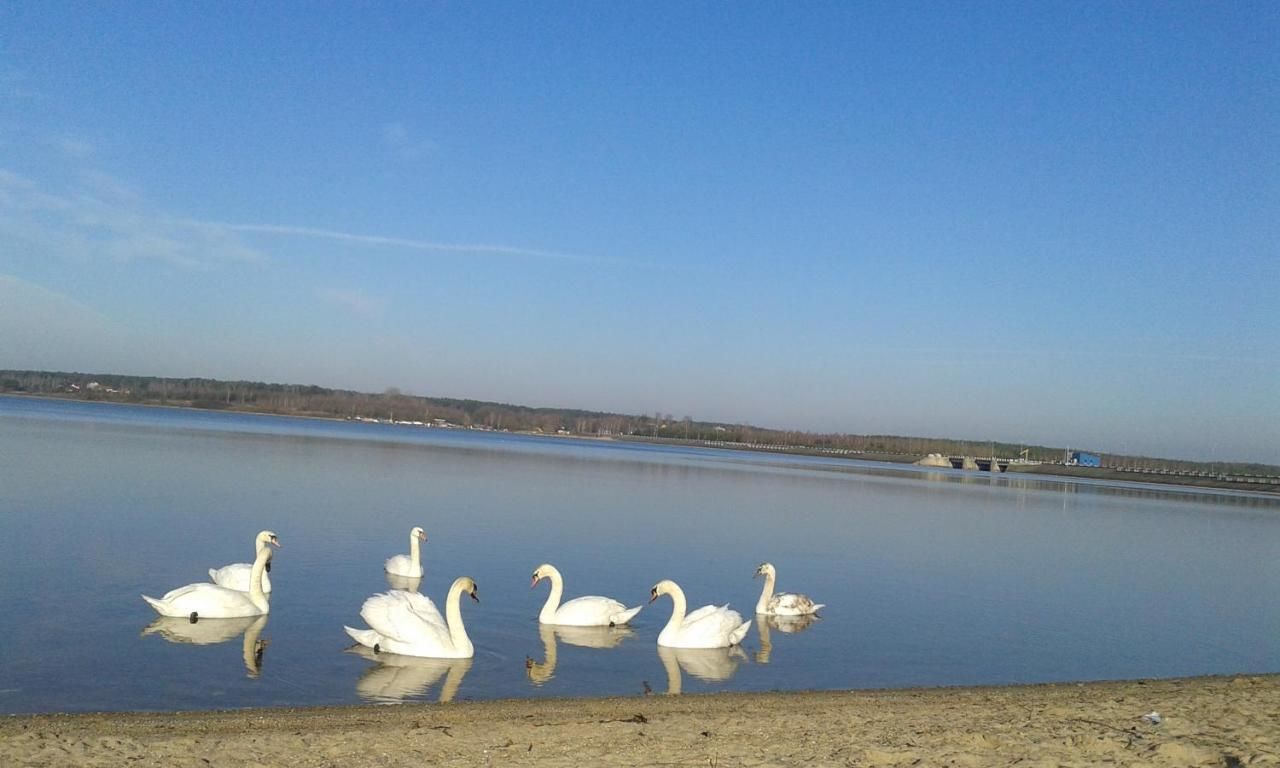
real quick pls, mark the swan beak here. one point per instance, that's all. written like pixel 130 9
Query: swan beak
pixel 653 594
pixel 534 583
pixel 475 596
pixel 276 542
pixel 423 535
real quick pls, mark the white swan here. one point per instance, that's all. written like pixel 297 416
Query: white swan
pixel 409 624
pixel 210 601
pixel 783 603
pixel 708 627
pixel 236 575
pixel 409 565
pixel 586 611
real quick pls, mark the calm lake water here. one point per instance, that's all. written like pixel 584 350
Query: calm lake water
pixel 930 577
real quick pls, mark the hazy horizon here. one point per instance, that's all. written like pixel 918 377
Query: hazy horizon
pixel 1029 223
pixel 675 418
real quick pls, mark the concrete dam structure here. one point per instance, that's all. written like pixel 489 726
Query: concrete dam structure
pixel 988 464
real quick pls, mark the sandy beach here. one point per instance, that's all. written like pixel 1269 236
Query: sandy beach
pixel 1203 722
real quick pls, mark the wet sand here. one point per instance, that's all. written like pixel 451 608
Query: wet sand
pixel 1205 722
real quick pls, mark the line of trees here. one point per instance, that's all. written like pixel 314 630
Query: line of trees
pixel 392 404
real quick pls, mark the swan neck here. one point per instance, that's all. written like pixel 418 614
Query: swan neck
pixel 453 616
pixel 762 605
pixel 256 595
pixel 415 552
pixel 548 613
pixel 678 607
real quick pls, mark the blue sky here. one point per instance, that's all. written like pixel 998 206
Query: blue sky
pixel 1044 222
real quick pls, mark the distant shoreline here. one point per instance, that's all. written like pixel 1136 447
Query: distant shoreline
pixel 1196 721
pixel 1052 471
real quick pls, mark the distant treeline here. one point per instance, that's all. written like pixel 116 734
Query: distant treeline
pixel 393 405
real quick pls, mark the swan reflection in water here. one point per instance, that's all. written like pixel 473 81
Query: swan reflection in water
pixel 711 664
pixel 585 637
pixel 395 678
pixel 213 631
pixel 786 624
pixel 406 583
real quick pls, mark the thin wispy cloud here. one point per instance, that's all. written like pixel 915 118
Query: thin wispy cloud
pixel 396 136
pixel 100 217
pixel 400 242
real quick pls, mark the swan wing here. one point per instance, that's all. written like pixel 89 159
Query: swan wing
pixel 588 611
pixel 712 627
pixel 703 613
pixel 622 617
pixel 406 617
pixel 402 565
pixel 206 600
pixel 236 576
pixel 792 604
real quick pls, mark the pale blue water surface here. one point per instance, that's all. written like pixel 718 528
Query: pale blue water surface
pixel 930 577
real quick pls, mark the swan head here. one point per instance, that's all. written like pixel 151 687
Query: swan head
pixel 265 538
pixel 418 533
pixel 766 569
pixel 664 587
pixel 468 585
pixel 541 572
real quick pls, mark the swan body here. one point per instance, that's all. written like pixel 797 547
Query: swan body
pixel 409 624
pixel 410 565
pixel 708 627
pixel 587 611
pixel 236 575
pixel 783 603
pixel 210 601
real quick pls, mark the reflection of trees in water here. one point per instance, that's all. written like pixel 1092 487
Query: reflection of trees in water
pixel 186 631
pixel 785 624
pixel 711 664
pixel 585 637
pixel 395 678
